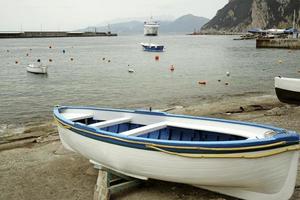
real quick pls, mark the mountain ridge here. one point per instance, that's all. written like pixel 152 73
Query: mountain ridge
pixel 242 15
pixel 184 24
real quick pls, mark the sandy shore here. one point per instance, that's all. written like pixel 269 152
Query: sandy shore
pixel 35 166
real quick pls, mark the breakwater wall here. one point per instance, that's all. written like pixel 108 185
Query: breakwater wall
pixel 278 43
pixel 43 34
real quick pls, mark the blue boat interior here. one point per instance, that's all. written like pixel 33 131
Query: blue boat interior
pixel 168 133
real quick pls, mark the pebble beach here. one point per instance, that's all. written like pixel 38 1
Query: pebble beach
pixel 34 165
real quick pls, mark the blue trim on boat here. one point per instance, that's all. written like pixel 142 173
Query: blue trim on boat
pixel 158 113
pixel 287 136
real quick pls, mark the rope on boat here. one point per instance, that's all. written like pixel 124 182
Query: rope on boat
pixel 246 156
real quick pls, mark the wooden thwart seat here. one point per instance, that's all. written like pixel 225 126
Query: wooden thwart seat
pixel 77 116
pixel 160 125
pixel 145 129
pixel 111 122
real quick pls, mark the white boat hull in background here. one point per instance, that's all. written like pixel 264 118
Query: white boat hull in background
pixel 288 90
pixel 37 69
pixel 266 178
pixel 151 30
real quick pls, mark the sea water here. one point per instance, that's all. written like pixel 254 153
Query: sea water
pixel 93 71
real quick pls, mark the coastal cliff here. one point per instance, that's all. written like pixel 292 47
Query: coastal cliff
pixel 241 15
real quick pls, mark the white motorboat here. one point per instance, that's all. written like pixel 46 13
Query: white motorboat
pixel 288 90
pixel 37 69
pixel 244 160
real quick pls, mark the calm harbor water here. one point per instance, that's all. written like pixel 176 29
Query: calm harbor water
pixel 89 80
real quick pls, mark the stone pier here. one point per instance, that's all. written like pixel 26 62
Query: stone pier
pixel 278 43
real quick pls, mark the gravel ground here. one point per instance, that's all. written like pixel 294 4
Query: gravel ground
pixel 43 170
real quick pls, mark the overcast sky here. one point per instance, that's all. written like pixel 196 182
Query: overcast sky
pixel 74 14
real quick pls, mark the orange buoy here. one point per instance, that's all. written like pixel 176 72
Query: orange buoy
pixel 172 68
pixel 202 82
pixel 156 58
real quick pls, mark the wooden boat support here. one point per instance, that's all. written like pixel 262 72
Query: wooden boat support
pixel 111 182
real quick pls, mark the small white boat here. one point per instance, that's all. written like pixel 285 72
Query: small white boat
pixel 131 70
pixel 244 160
pixel 288 90
pixel 37 69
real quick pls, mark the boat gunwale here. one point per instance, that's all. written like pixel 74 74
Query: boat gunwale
pixel 251 144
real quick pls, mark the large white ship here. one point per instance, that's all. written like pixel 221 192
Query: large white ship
pixel 151 28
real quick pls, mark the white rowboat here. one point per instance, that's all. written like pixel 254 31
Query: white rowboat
pixel 37 69
pixel 245 160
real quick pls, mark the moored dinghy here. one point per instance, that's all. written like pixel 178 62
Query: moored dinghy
pixel 37 69
pixel 288 90
pixel 244 160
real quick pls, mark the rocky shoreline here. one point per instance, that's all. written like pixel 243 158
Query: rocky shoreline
pixel 34 165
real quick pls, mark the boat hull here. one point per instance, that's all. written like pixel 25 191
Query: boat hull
pixel 287 96
pixel 37 70
pixel 288 90
pixel 151 30
pixel 262 178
